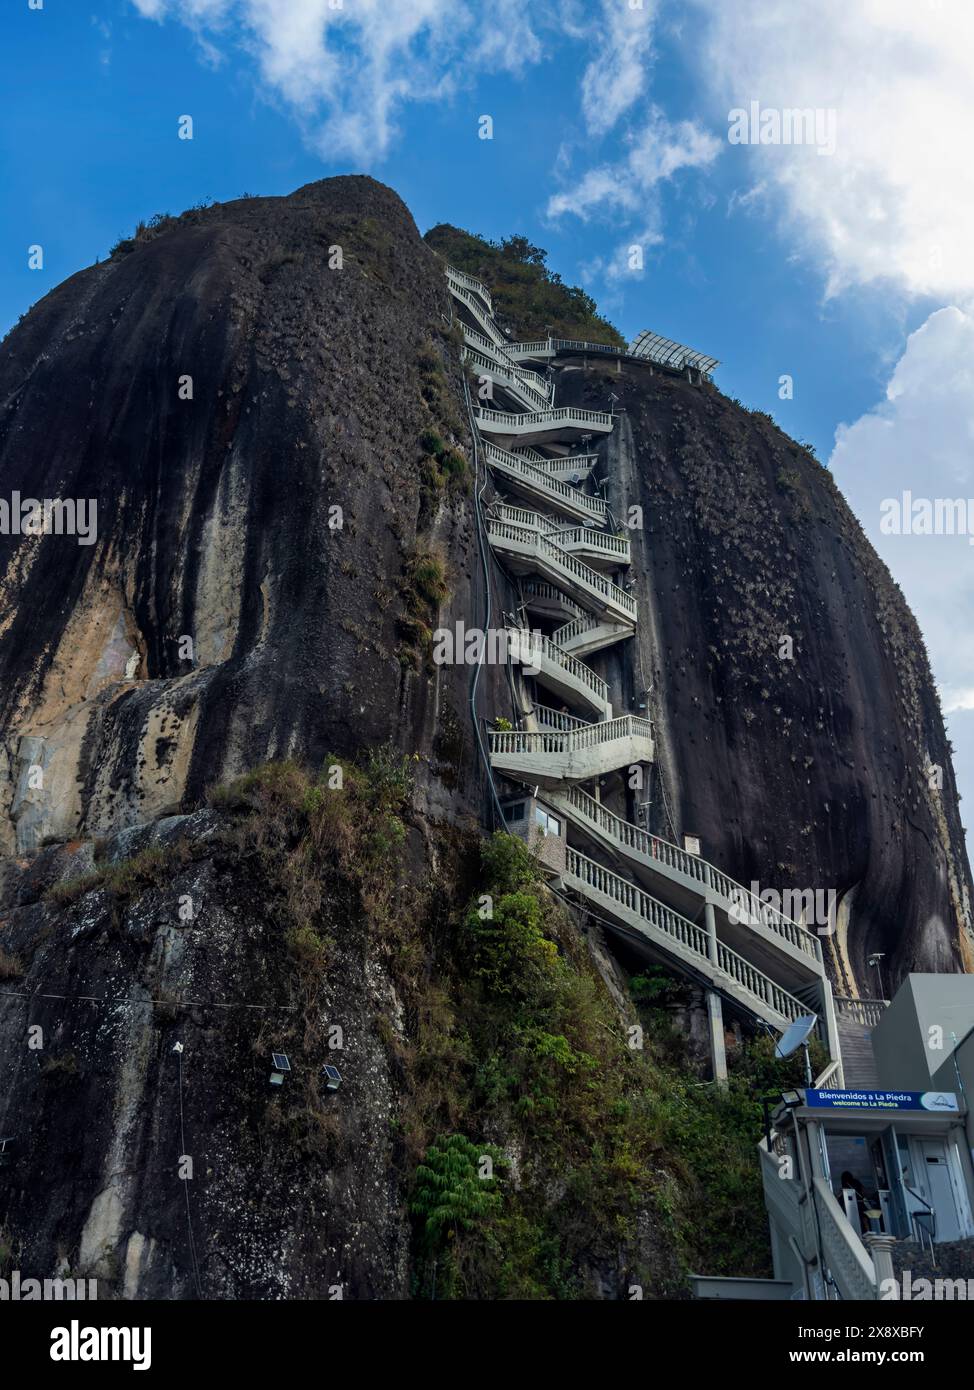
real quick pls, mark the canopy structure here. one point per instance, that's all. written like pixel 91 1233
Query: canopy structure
pixel 668 353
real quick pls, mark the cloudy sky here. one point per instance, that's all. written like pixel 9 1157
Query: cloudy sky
pixel 845 261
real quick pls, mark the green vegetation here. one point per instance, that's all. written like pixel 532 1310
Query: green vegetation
pixel 157 225
pixel 528 298
pixel 11 966
pixel 455 1193
pixel 544 1148
pixel 423 589
pixel 61 1068
pixel 443 466
pixel 126 880
pixel 520 1042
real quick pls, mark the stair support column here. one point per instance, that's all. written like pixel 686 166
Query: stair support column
pixel 715 1007
pixel 715 1023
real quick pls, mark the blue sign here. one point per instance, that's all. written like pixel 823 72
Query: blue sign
pixel 944 1101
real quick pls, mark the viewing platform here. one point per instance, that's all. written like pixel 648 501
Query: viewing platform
pixel 551 756
pixel 543 426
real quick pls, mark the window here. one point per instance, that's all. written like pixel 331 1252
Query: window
pixel 515 812
pixel 548 824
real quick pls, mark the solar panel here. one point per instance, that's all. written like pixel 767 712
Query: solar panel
pixel 333 1077
pixel 669 353
pixel 280 1061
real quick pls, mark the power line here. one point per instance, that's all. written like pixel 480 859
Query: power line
pixel 146 1003
pixel 178 1049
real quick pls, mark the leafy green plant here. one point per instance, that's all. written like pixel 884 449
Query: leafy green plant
pixel 527 296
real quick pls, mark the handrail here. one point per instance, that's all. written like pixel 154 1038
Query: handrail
pixel 683 932
pixel 825 1076
pixel 479 312
pixel 564 536
pixel 485 344
pixel 546 485
pixel 540 588
pixel 528 647
pixel 663 853
pixel 537 419
pixel 509 376
pixel 578 463
pixel 537 347
pixel 530 741
pixel 582 573
pixel 550 718
pixel 597 540
pixel 845 1255
pixel 587 623
pixel 523 516
pixel 868 1012
pixel 472 283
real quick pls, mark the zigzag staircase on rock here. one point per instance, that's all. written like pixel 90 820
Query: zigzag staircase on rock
pixel 553 533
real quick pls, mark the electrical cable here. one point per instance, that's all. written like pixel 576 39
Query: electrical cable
pixel 185 1181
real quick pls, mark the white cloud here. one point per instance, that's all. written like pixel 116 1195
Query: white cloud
pixel 631 185
pixel 616 76
pixel 896 200
pixel 920 440
pixel 346 72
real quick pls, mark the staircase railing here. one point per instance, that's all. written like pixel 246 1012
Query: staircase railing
pixel 691 866
pixel 684 933
pixel 542 482
pixel 480 313
pixel 540 588
pixel 582 574
pixel 868 1012
pixel 530 647
pixel 615 546
pixel 587 623
pixel 526 741
pixel 847 1259
pixel 550 718
pixel 471 283
pixel 540 419
pixel 511 377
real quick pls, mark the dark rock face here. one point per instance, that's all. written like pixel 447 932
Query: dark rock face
pixel 214 512
pixel 105 1112
pixel 797 716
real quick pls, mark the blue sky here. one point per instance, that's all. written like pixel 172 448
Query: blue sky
pixel 847 270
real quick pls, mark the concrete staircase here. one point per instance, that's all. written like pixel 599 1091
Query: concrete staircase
pixel 552 532
pixel 856 1019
